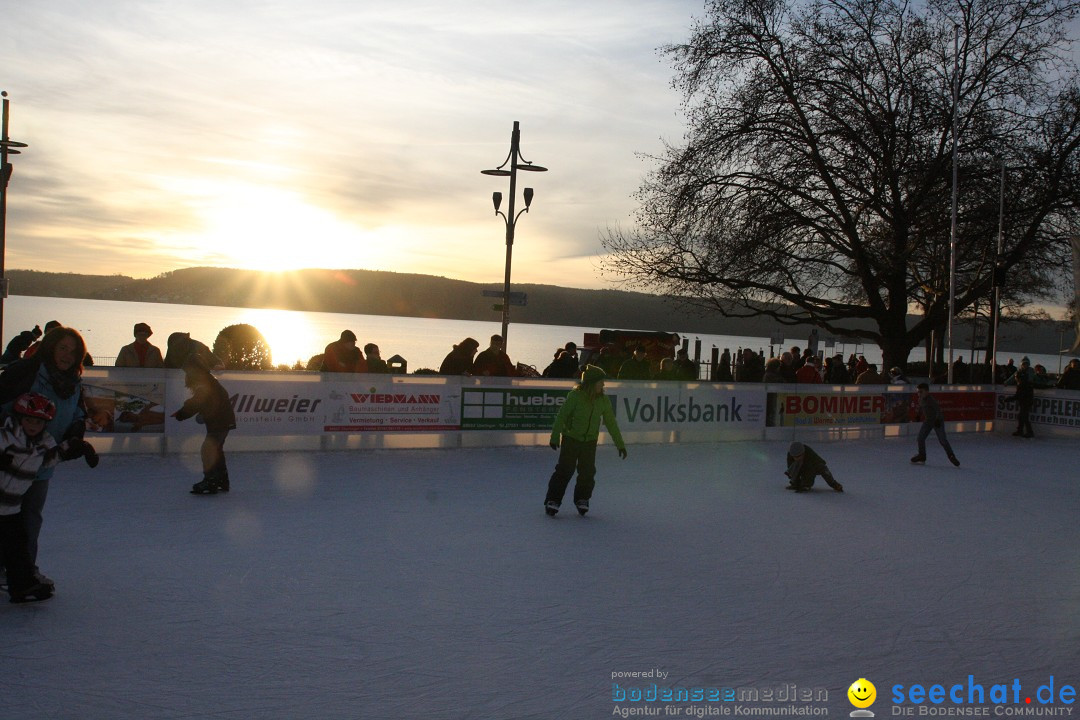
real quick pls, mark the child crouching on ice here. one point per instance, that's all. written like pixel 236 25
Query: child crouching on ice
pixel 803 465
pixel 25 448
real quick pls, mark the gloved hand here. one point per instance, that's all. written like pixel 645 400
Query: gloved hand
pixel 622 453
pixel 554 444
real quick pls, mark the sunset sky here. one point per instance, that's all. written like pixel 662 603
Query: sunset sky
pixel 276 134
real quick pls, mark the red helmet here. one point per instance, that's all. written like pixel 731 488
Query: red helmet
pixel 34 405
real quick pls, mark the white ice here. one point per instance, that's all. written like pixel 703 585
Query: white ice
pixel 430 584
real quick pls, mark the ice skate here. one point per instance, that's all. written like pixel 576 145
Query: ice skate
pixel 954 461
pixel 551 507
pixel 920 458
pixel 34 593
pixel 42 579
pixel 582 506
pixel 206 486
pixel 90 455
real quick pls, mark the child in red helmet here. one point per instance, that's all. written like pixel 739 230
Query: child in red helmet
pixel 25 448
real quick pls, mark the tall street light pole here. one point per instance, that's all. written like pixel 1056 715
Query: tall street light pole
pixel 7 147
pixel 516 163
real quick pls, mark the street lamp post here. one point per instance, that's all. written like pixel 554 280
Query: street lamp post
pixel 7 147
pixel 516 163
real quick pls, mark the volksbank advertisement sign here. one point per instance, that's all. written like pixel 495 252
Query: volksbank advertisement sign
pixel 637 408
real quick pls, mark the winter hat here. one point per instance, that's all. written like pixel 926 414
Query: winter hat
pixel 1025 361
pixel 142 327
pixel 592 374
pixel 796 449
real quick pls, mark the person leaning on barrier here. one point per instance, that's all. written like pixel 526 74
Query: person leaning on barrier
pixel 1070 379
pixel 1024 380
pixel 808 373
pixel 494 362
pixel 343 356
pixel 563 366
pixel 19 345
pixel 637 367
pixel 686 368
pixel 459 360
pixel 375 363
pixel 140 353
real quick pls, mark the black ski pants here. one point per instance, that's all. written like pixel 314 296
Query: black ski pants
pixel 939 430
pixel 574 455
pixel 15 553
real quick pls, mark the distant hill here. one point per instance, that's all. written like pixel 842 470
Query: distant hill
pixel 375 292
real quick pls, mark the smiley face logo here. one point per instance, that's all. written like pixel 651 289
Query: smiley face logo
pixel 862 693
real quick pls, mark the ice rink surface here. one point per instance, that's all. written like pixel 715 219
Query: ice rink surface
pixel 430 584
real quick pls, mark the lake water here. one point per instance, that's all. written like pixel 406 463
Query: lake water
pixel 294 335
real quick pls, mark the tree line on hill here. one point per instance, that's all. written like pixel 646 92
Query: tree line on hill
pixel 373 292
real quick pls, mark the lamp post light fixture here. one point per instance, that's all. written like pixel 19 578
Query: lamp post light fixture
pixel 7 147
pixel 516 163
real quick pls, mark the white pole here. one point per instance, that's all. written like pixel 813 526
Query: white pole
pixel 952 239
pixel 997 278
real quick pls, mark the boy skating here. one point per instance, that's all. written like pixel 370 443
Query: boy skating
pixel 933 419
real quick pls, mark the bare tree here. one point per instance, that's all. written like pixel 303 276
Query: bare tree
pixel 814 185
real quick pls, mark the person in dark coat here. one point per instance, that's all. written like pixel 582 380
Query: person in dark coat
pixel 565 365
pixel 787 369
pixel 459 361
pixel 1024 380
pixel 19 344
pixel 494 362
pixel 751 369
pixel 375 363
pixel 933 420
pixel 685 368
pixel 803 465
pixel 1070 379
pixel 210 402
pixel 723 370
pixel 637 367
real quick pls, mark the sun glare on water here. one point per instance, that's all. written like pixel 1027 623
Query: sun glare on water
pixel 289 334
